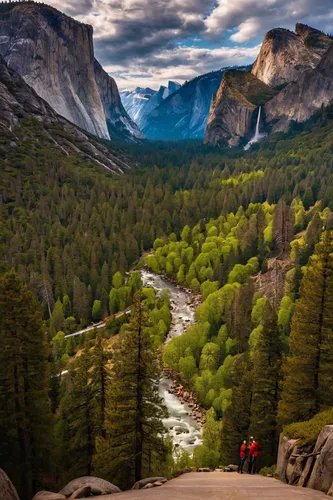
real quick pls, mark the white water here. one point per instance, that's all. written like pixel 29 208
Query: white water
pixel 185 431
pixel 257 136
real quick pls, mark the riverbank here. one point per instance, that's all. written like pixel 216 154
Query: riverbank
pixel 186 396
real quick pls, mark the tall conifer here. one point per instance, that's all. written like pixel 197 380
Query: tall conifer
pixel 134 444
pixel 308 385
pixel 25 416
pixel 266 387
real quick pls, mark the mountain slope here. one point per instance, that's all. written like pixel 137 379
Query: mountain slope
pixel 119 123
pixel 140 102
pixel 183 115
pixel 55 56
pixel 26 118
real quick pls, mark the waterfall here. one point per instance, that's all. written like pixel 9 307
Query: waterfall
pixel 257 135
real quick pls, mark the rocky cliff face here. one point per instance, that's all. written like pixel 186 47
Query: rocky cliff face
pixel 183 115
pixel 308 466
pixel 19 103
pixel 54 54
pixel 118 121
pixel 297 72
pixel 299 100
pixel 284 54
pixel 232 114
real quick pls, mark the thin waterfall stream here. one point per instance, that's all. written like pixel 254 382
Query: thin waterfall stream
pixel 257 135
pixel 184 429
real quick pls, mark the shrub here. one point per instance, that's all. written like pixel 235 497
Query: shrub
pixel 309 431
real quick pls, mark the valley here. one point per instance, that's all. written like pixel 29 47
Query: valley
pixel 166 251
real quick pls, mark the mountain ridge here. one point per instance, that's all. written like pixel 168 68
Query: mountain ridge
pixel 54 54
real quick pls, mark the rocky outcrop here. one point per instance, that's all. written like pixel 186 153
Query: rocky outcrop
pixel 284 54
pixel 55 56
pixel 97 486
pixel 119 123
pixel 19 102
pixel 7 489
pixel 299 100
pixel 308 466
pixel 48 495
pixel 233 111
pixel 153 481
pixel 184 114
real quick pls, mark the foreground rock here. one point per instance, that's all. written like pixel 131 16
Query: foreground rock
pixel 97 486
pixel 153 481
pixel 308 466
pixel 48 495
pixel 7 489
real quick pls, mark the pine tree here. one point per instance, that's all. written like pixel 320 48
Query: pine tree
pixel 25 416
pixel 265 391
pixel 308 385
pixel 282 226
pixel 236 418
pixel 76 428
pixel 134 411
pixel 99 383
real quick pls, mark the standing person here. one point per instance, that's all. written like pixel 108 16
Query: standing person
pixel 242 456
pixel 250 458
pixel 254 454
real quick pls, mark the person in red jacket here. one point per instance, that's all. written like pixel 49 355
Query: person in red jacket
pixel 253 455
pixel 242 456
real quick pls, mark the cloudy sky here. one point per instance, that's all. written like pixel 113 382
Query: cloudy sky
pixel 148 42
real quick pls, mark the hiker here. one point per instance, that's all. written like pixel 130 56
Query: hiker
pixel 253 454
pixel 242 456
pixel 250 458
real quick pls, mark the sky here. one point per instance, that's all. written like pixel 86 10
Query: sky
pixel 148 42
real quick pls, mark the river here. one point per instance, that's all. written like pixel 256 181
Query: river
pixel 185 431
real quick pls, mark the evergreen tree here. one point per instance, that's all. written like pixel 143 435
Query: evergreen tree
pixel 134 445
pixel 76 429
pixel 282 226
pixel 236 418
pixel 265 389
pixel 25 416
pixel 99 384
pixel 308 385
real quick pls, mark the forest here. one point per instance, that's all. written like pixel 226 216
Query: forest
pixel 252 233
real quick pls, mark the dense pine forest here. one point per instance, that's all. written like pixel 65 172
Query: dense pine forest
pixel 252 233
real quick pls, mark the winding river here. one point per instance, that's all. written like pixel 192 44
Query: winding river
pixel 185 431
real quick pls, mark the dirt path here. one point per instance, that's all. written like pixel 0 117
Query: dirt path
pixel 220 486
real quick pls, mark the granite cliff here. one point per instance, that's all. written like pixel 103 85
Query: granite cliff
pixel 291 79
pixel 26 116
pixel 233 111
pixel 55 56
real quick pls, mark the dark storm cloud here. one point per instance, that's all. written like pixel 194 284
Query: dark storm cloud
pixel 142 37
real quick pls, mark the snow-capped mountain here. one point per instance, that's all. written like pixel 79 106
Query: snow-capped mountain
pixel 184 113
pixel 139 103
